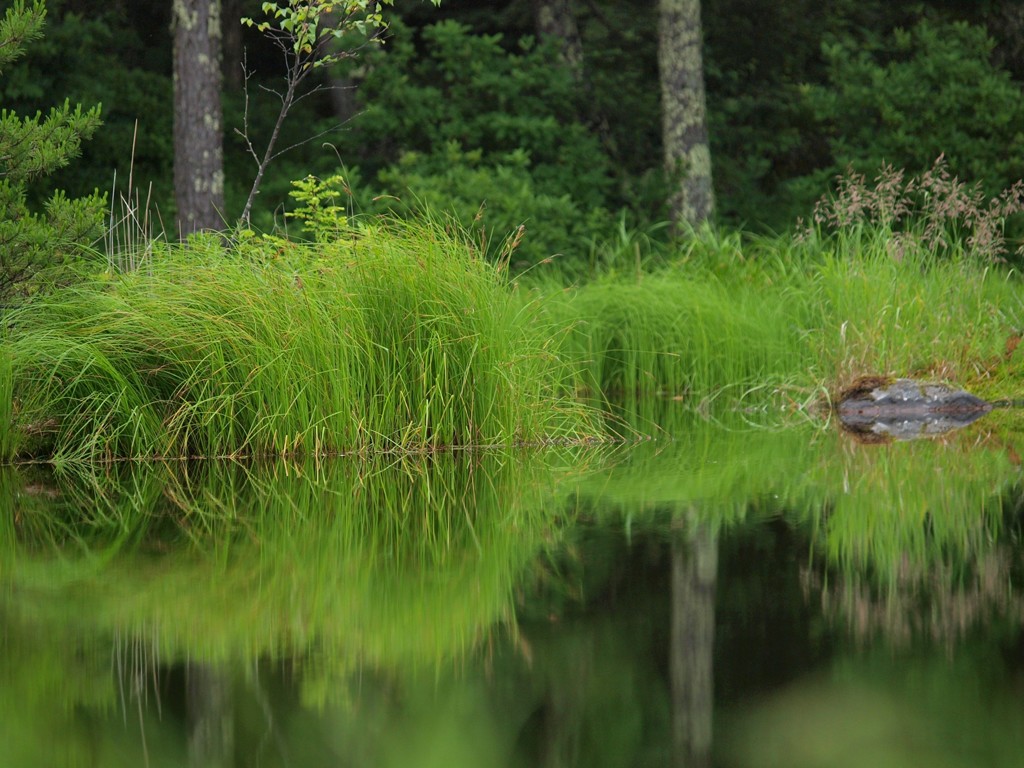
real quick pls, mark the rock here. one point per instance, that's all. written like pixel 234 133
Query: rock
pixel 904 409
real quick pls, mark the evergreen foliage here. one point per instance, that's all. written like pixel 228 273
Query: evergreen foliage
pixel 32 147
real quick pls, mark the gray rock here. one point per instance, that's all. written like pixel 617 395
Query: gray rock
pixel 904 409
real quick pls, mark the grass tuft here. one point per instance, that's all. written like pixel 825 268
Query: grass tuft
pixel 398 340
pixel 769 320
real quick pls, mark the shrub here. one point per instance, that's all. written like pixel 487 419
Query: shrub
pixel 924 92
pixel 494 198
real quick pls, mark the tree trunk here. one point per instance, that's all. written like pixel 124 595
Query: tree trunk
pixel 198 124
pixel 555 20
pixel 342 88
pixel 684 125
pixel 231 29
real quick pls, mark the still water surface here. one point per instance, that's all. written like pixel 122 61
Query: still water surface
pixel 724 595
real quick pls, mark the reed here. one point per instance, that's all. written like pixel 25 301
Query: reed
pixel 673 335
pixel 398 339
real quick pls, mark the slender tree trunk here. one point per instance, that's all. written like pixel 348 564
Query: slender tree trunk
pixel 231 29
pixel 198 123
pixel 687 155
pixel 342 88
pixel 694 576
pixel 556 20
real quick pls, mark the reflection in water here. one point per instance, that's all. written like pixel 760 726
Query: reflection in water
pixel 873 709
pixel 399 564
pixel 944 604
pixel 691 653
pixel 911 546
pixel 874 510
pixel 211 716
pixel 340 572
pixel 732 596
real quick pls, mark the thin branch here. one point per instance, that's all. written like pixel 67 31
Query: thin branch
pixel 298 144
pixel 303 52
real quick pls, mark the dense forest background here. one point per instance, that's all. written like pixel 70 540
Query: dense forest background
pixel 471 111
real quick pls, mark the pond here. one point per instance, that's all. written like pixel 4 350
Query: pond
pixel 728 593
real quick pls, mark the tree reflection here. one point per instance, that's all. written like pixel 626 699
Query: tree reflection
pixel 691 653
pixel 211 716
pixel 939 602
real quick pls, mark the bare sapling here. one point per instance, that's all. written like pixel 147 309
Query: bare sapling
pixel 309 34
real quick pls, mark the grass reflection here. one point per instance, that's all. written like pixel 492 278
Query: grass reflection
pixel 366 586
pixel 402 565
pixel 888 523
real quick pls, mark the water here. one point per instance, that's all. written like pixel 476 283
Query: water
pixel 733 596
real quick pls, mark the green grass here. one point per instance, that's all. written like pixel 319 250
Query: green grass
pixel 773 320
pixel 948 319
pixel 675 333
pixel 399 337
pixel 396 340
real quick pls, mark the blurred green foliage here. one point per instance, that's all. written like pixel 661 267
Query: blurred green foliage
pixel 917 94
pixel 488 134
pixel 465 111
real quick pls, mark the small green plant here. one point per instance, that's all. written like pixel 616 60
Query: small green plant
pixel 31 148
pixel 318 210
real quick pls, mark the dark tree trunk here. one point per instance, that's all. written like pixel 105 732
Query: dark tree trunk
pixel 231 28
pixel 687 155
pixel 1005 24
pixel 342 88
pixel 343 97
pixel 556 20
pixel 198 123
